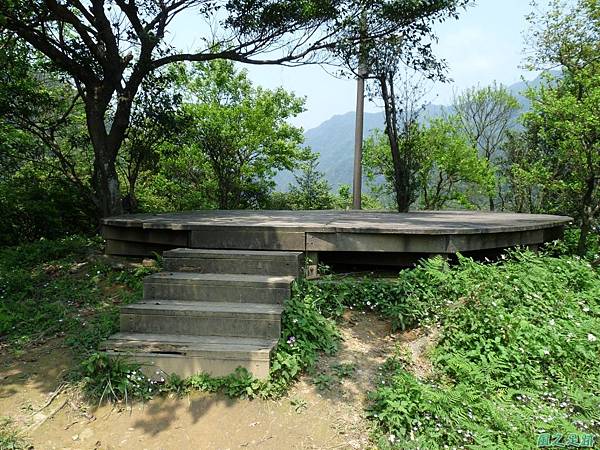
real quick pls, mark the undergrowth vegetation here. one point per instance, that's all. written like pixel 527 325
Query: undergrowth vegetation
pixel 11 438
pixel 516 356
pixel 62 288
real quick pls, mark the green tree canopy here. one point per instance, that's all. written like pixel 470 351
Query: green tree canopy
pixel 565 118
pixel 109 48
pixel 310 190
pixel 486 115
pixel 236 138
pixel 450 172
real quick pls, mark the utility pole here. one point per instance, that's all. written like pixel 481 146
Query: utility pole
pixel 359 124
pixel 358 141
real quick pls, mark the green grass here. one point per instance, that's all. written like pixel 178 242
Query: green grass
pixel 62 288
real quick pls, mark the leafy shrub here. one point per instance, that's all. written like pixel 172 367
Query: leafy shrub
pixel 568 244
pixel 11 438
pixel 237 384
pixel 113 379
pixel 517 356
pixel 413 297
pixel 37 205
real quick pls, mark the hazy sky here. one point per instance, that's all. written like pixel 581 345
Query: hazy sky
pixel 483 45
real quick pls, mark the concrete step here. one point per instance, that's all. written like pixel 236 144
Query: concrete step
pixel 234 262
pixel 189 355
pixel 209 287
pixel 254 320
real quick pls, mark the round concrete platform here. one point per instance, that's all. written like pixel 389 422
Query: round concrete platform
pixel 440 232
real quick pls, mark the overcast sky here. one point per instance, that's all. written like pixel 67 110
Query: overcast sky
pixel 483 45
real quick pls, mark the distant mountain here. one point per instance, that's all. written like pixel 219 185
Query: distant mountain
pixel 334 139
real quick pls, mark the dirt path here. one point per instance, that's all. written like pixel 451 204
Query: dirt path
pixel 328 416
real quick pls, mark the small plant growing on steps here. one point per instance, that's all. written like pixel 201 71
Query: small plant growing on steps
pixel 115 380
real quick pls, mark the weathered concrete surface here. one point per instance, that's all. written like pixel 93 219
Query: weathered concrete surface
pixel 335 231
pixel 433 244
pixel 422 222
pixel 234 262
pixel 217 287
pixel 246 238
pixel 202 319
pixel 189 355
pixel 217 311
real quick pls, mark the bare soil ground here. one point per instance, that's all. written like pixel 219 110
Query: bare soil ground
pixel 54 416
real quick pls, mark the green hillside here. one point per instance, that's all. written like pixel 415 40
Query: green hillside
pixel 334 139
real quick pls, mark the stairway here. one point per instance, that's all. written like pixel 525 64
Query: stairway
pixel 209 311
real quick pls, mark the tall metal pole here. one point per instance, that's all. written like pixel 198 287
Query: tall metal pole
pixel 358 140
pixel 360 117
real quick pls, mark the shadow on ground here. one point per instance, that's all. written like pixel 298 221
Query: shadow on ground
pixel 306 418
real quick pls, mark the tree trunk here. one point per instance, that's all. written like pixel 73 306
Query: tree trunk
pixel 584 231
pixel 401 172
pixel 129 201
pixel 107 144
pixel 104 178
pixel 106 184
pixel 402 189
pixel 586 215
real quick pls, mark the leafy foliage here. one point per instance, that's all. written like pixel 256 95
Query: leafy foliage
pixel 11 438
pixel 454 171
pixel 486 115
pixel 109 52
pixel 37 204
pixel 235 139
pixel 516 357
pixel 569 245
pixel 563 125
pixel 450 171
pixel 311 190
pixel 61 287
pixel 41 128
pixel 407 300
